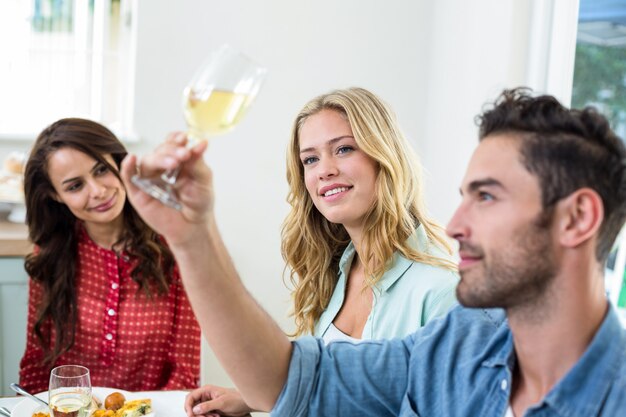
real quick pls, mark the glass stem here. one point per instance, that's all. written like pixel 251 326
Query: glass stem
pixel 170 177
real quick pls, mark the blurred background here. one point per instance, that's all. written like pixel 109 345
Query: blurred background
pixel 436 62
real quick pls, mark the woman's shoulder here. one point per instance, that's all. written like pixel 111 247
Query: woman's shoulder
pixel 425 272
pixel 433 284
pixel 420 264
pixel 435 257
pixel 430 289
pixel 421 242
pixel 424 278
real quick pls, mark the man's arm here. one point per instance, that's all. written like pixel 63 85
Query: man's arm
pixel 251 347
pixel 248 343
pixel 369 379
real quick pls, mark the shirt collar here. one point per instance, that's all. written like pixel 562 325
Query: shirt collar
pixel 582 389
pixel 499 351
pixel 399 264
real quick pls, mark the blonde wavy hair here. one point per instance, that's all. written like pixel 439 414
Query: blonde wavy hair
pixel 312 246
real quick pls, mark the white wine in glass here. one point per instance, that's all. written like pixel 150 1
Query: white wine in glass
pixel 70 391
pixel 214 102
pixel 214 112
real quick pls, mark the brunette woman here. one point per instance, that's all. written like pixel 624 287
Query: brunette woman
pixel 104 289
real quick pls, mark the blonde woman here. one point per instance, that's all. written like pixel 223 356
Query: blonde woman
pixel 366 261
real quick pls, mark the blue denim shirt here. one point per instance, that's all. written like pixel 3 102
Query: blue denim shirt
pixel 459 365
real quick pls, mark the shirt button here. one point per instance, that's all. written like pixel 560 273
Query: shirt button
pixel 111 312
pixel 109 336
pixel 504 385
pixel 114 286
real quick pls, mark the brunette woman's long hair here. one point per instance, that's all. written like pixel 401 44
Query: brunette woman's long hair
pixel 53 229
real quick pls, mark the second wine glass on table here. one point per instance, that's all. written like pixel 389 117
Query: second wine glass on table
pixel 214 101
pixel 69 391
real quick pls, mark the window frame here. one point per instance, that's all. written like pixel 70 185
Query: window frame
pixel 124 126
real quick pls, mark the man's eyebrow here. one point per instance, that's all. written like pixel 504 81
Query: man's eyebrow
pixel 487 182
pixel 330 142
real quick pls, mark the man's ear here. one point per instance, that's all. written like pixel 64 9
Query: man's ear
pixel 580 216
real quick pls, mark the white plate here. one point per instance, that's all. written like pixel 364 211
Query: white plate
pixel 27 407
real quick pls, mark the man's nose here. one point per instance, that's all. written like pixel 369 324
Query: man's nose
pixel 457 226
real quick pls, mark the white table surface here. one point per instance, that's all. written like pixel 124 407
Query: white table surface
pixel 10 402
pixel 164 403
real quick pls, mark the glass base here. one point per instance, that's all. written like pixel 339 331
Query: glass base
pixel 158 189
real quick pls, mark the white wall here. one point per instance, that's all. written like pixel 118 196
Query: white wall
pixel 309 48
pixel 479 49
pixel 435 61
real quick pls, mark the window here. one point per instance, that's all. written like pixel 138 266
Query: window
pixel 600 81
pixel 66 58
pixel 600 65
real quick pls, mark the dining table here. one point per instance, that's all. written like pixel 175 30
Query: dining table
pixel 164 403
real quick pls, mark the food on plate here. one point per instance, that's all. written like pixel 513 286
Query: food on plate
pixel 95 402
pixel 104 413
pixel 114 401
pixel 133 408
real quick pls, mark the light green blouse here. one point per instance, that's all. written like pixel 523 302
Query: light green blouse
pixel 408 296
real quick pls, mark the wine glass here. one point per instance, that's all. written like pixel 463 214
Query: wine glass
pixel 69 391
pixel 214 101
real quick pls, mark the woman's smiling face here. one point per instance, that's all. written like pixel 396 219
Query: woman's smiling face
pixel 339 176
pixel 89 189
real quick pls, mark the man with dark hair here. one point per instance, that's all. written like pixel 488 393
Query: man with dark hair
pixel 543 199
pixel 566 150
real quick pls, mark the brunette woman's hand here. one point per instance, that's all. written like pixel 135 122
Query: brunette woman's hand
pixel 194 188
pixel 211 400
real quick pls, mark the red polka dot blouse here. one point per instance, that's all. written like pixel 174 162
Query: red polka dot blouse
pixel 127 340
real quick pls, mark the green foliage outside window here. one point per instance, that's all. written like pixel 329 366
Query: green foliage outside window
pixel 600 80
